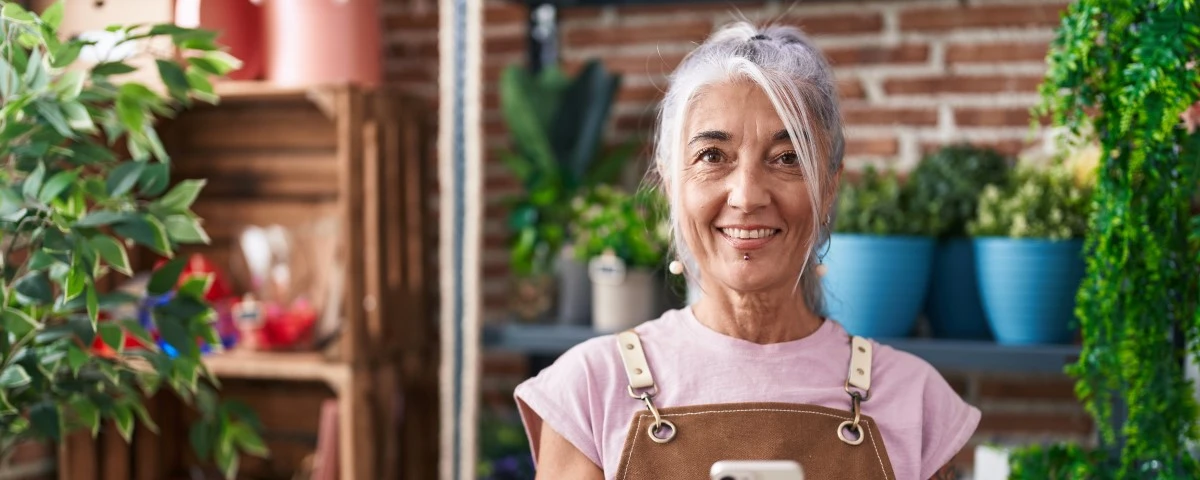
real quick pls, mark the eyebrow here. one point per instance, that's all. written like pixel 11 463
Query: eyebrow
pixel 722 136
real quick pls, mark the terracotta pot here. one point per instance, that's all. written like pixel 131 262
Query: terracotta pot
pixel 320 42
pixel 239 24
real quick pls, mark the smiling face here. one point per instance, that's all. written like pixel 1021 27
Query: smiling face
pixel 743 190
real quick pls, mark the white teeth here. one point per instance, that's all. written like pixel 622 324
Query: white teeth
pixel 748 234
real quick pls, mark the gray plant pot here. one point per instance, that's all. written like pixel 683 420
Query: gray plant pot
pixel 623 298
pixel 574 290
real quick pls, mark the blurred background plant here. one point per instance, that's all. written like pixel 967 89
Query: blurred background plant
pixel 631 226
pixel 879 202
pixel 557 126
pixel 71 204
pixel 948 182
pixel 1049 202
pixel 503 448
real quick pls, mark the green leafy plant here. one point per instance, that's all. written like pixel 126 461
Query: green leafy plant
pixel 632 227
pixel 70 206
pixel 880 203
pixel 947 184
pixel 557 126
pixel 1127 71
pixel 1037 202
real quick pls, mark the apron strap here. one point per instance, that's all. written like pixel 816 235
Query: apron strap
pixel 634 358
pixel 860 365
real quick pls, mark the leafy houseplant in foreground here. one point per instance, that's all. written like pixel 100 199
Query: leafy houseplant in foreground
pixel 1128 70
pixel 878 256
pixel 947 184
pixel 70 206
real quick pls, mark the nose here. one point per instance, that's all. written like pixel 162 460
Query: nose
pixel 747 191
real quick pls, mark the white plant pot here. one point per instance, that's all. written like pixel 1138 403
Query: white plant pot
pixel 622 298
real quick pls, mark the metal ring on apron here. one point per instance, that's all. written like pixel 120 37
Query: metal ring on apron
pixel 657 427
pixel 853 426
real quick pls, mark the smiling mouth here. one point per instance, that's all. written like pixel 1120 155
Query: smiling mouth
pixel 749 234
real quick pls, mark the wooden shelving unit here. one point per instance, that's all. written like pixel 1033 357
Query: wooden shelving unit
pixel 357 158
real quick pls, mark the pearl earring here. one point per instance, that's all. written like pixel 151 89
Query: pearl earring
pixel 676 267
pixel 821 269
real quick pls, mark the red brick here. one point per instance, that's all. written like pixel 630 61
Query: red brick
pixel 835 24
pixel 991 117
pixel 410 50
pixel 28 452
pixel 682 31
pixel 872 146
pixel 962 84
pixel 996 52
pixel 962 17
pixel 1006 147
pixel 414 75
pixel 849 56
pixel 511 44
pixel 642 94
pixel 505 13
pixel 405 22
pixel 861 114
pixel 1076 423
pixel 1026 388
pixel 636 123
pixel 630 11
pixel 652 64
pixel 851 88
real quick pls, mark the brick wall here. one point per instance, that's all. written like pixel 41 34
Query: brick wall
pixel 913 74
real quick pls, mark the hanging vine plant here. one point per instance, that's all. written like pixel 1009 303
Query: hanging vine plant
pixel 1128 69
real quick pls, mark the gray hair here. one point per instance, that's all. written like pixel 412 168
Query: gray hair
pixel 799 83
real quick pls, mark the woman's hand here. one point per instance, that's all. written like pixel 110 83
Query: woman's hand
pixel 558 458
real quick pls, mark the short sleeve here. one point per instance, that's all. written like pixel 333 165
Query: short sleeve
pixel 949 423
pixel 560 396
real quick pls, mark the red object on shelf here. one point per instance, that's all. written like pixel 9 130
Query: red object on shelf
pixel 321 42
pixel 239 25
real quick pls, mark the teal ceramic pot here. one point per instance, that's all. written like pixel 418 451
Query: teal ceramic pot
pixel 1028 288
pixel 875 285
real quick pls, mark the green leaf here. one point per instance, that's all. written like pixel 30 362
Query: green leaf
pixel 144 417
pixel 132 327
pixel 123 417
pixel 102 218
pixel 112 68
pixel 54 116
pixel 154 180
pixel 18 322
pixel 195 286
pixel 130 113
pixel 201 436
pixel 147 231
pixel 166 277
pixel 45 418
pixel 8 79
pixel 124 177
pixel 57 185
pixel 76 358
pixel 76 281
pixel 33 183
pixel 70 85
pixel 14 12
pixel 113 253
pixel 34 289
pixel 175 79
pixel 112 335
pixel 66 54
pixel 93 305
pixel 78 117
pixel 10 201
pixel 53 15
pixel 174 332
pixel 181 198
pixel 227 457
pixel 41 260
pixel 185 229
pixel 247 440
pixel 88 414
pixel 13 377
pixel 199 81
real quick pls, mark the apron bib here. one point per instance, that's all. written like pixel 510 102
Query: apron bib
pixel 683 442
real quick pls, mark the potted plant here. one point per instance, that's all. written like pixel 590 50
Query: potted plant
pixel 557 126
pixel 623 238
pixel 84 179
pixel 1029 246
pixel 947 184
pixel 878 257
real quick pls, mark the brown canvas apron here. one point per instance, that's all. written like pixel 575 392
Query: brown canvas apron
pixel 683 442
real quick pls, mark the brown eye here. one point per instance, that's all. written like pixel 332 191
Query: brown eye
pixel 710 155
pixel 788 159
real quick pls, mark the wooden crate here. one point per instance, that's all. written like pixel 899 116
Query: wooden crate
pixel 289 156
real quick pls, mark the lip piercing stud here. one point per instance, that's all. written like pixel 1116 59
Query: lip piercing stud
pixel 746 256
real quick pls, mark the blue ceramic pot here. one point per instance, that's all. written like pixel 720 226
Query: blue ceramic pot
pixel 875 284
pixel 953 307
pixel 1028 287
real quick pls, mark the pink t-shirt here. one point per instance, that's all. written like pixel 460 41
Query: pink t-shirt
pixel 583 396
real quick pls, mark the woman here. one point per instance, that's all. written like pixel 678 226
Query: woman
pixel 749 150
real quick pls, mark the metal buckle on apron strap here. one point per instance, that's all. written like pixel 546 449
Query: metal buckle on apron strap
pixel 858 386
pixel 638 371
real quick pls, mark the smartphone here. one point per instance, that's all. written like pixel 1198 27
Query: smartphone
pixel 757 470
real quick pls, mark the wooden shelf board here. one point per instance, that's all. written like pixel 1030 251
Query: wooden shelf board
pixel 257 90
pixel 293 366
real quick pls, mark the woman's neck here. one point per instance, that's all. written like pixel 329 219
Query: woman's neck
pixel 762 318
